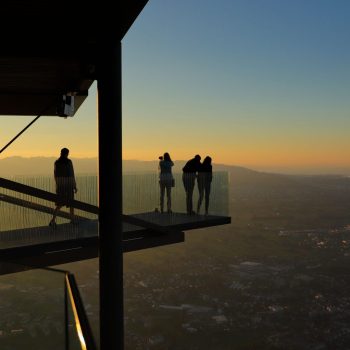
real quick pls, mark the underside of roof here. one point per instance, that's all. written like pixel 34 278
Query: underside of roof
pixel 50 49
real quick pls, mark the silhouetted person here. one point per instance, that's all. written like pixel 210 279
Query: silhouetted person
pixel 189 178
pixel 65 185
pixel 166 180
pixel 204 178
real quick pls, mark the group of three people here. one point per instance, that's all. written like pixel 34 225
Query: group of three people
pixel 192 170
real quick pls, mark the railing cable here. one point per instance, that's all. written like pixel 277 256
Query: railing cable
pixel 20 133
pixel 23 130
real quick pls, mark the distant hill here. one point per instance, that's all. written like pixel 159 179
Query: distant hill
pixel 12 166
pixel 240 177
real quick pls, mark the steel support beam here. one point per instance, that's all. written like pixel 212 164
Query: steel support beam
pixel 110 195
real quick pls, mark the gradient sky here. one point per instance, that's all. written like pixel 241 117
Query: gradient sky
pixel 256 83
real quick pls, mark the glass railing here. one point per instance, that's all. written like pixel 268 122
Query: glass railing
pixel 26 208
pixel 79 334
pixel 29 211
pixel 41 309
pixel 141 193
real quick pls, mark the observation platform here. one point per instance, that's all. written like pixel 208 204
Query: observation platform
pixel 26 238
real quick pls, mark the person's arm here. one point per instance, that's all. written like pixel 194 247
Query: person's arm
pixel 55 172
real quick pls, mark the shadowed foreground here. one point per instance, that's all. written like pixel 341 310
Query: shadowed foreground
pixel 276 278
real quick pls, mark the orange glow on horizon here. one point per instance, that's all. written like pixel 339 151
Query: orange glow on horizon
pixel 254 158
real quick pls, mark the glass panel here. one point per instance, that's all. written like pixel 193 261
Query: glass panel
pixel 74 335
pixel 86 273
pixel 142 194
pixel 21 217
pixel 32 315
pixel 79 333
pixel 39 310
pixel 22 224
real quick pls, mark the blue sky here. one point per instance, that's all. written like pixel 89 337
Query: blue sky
pixel 258 83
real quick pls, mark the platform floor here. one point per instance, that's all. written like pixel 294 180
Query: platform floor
pixel 69 242
pixel 89 228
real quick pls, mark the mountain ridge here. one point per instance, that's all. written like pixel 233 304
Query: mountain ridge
pixel 31 166
pixel 18 165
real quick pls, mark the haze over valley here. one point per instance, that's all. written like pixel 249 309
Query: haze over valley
pixel 275 278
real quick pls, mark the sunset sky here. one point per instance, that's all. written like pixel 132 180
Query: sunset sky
pixel 258 83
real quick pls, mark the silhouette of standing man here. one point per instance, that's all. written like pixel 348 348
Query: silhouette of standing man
pixel 189 178
pixel 65 185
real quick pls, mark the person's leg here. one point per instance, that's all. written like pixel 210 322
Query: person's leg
pixel 207 196
pixel 185 180
pixel 71 212
pixel 190 196
pixel 200 198
pixel 54 214
pixel 162 192
pixel 168 196
pixel 189 182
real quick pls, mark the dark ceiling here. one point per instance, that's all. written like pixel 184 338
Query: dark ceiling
pixel 50 48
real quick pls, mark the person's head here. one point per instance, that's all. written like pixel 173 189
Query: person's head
pixel 197 157
pixel 64 152
pixel 167 156
pixel 207 160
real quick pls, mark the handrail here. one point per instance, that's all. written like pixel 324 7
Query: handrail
pixel 42 194
pixel 82 325
pixel 72 298
pixel 37 207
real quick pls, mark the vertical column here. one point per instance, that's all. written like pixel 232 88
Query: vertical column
pixel 110 196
